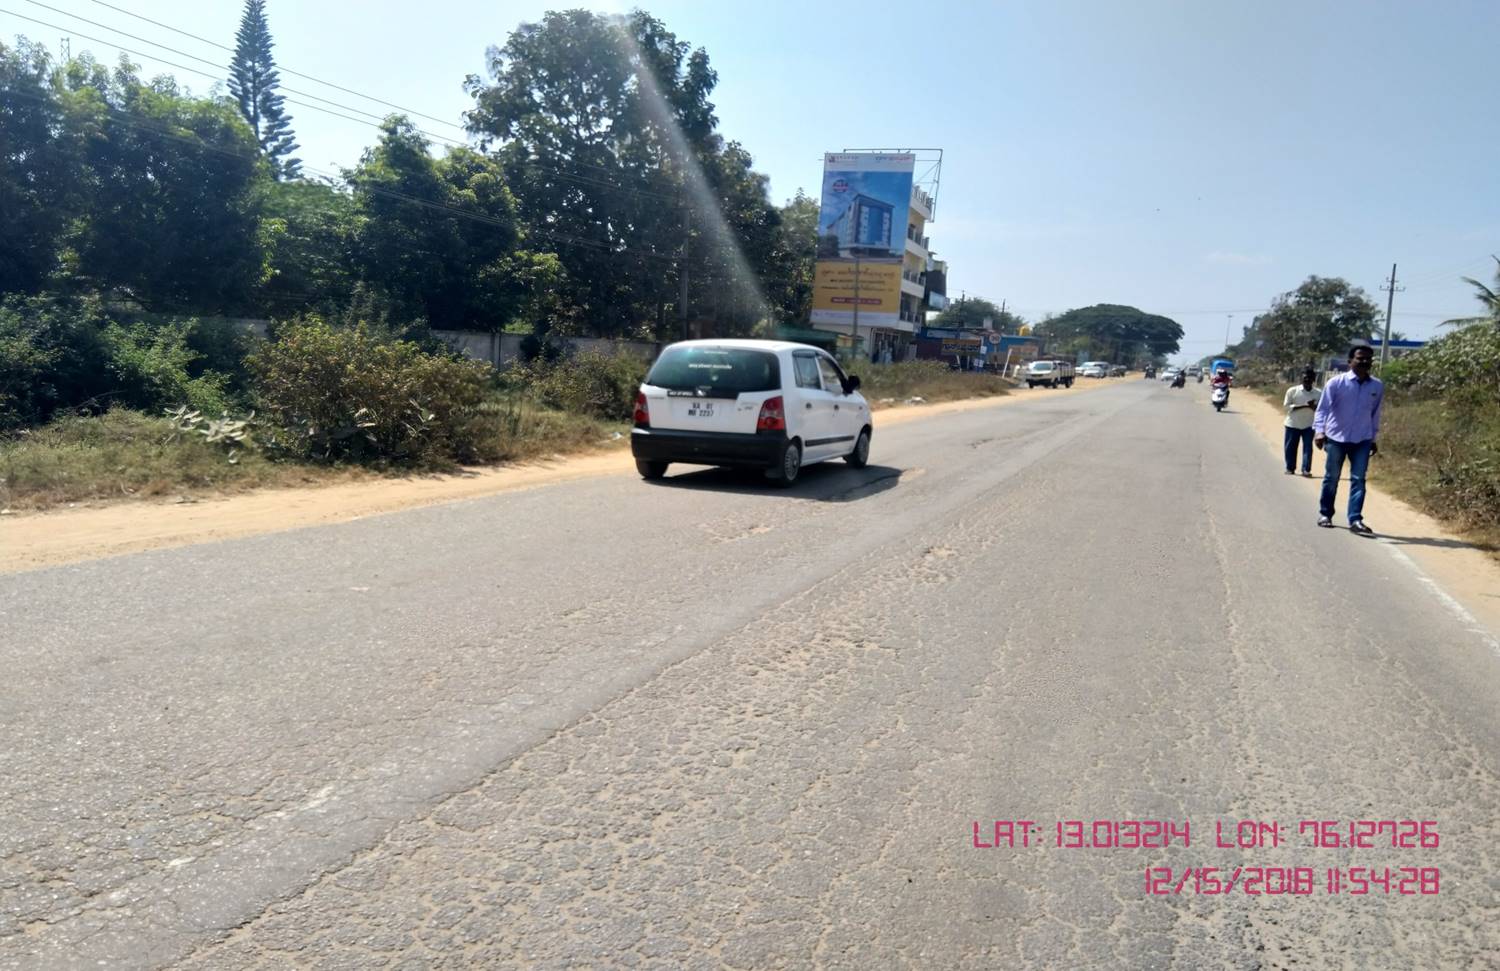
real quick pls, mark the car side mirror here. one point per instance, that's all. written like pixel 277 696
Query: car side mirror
pixel 851 384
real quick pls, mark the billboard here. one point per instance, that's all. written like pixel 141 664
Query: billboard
pixel 862 238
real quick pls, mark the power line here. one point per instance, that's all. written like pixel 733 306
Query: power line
pixel 213 77
pixel 556 173
pixel 287 70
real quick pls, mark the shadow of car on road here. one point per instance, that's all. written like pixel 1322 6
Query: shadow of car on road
pixel 824 482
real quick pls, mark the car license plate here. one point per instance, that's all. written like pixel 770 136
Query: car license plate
pixel 701 409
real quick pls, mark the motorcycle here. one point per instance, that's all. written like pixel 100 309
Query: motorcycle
pixel 1180 381
pixel 1220 397
pixel 1200 377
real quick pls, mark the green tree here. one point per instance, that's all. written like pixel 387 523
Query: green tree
pixel 253 80
pixel 39 176
pixel 307 231
pixel 1324 315
pixel 970 312
pixel 790 266
pixel 609 139
pixel 1113 332
pixel 440 237
pixel 169 215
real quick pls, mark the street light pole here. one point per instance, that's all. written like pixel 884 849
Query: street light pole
pixel 855 333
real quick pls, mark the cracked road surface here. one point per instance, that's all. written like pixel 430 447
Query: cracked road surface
pixel 705 724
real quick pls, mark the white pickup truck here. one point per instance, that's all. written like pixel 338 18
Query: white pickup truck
pixel 1052 374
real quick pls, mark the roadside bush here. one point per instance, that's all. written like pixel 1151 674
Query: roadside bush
pixel 349 393
pixel 152 368
pixel 51 358
pixel 1446 458
pixel 1462 368
pixel 588 383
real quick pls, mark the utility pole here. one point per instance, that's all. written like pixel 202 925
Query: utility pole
pixel 1390 289
pixel 682 272
pixel 855 332
pixel 1227 324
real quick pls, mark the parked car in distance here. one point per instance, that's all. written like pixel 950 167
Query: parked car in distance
pixel 772 405
pixel 1117 370
pixel 1094 369
pixel 1052 374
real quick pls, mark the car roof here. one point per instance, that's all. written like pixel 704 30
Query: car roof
pixel 746 344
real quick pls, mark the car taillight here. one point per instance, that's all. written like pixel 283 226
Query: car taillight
pixel 642 412
pixel 772 416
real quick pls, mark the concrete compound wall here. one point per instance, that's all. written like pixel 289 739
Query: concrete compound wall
pixel 501 349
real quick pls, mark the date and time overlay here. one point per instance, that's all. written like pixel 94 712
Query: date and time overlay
pixel 1400 844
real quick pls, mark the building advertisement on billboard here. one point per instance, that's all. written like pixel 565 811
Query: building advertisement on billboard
pixel 861 238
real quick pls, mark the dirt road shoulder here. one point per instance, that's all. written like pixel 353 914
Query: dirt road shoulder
pixel 1464 572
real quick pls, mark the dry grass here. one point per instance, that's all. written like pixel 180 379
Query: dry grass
pixel 125 455
pixel 930 380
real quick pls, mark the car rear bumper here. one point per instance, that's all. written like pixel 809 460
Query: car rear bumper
pixel 707 448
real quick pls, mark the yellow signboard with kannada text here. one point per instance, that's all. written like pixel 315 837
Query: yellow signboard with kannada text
pixel 879 290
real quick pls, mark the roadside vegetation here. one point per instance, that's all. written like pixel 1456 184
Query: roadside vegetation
pixel 1440 431
pixel 99 406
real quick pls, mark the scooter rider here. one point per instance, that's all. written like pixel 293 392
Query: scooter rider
pixel 1222 378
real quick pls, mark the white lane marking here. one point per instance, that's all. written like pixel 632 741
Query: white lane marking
pixel 1454 607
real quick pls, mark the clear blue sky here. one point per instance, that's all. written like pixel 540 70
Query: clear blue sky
pixel 1191 158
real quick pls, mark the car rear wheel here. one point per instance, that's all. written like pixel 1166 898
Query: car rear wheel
pixel 860 457
pixel 650 470
pixel 789 466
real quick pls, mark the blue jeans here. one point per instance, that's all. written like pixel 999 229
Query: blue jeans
pixel 1358 454
pixel 1290 440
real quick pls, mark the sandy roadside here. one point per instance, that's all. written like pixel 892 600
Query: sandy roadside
pixel 1468 575
pixel 36 540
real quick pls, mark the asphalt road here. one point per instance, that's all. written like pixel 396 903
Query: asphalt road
pixel 704 724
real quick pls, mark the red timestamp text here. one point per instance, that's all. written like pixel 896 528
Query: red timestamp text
pixel 1299 881
pixel 1077 834
pixel 1402 834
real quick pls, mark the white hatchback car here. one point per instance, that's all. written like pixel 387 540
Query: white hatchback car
pixel 773 405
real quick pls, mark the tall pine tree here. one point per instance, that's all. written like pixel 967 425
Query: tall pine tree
pixel 253 81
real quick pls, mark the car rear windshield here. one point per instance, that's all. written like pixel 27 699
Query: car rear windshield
pixel 715 371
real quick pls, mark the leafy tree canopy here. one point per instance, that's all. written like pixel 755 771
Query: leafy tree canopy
pixel 1112 332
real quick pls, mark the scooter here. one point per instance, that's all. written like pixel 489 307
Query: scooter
pixel 1220 397
pixel 1180 381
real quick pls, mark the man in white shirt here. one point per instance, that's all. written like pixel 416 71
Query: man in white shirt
pixel 1301 404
